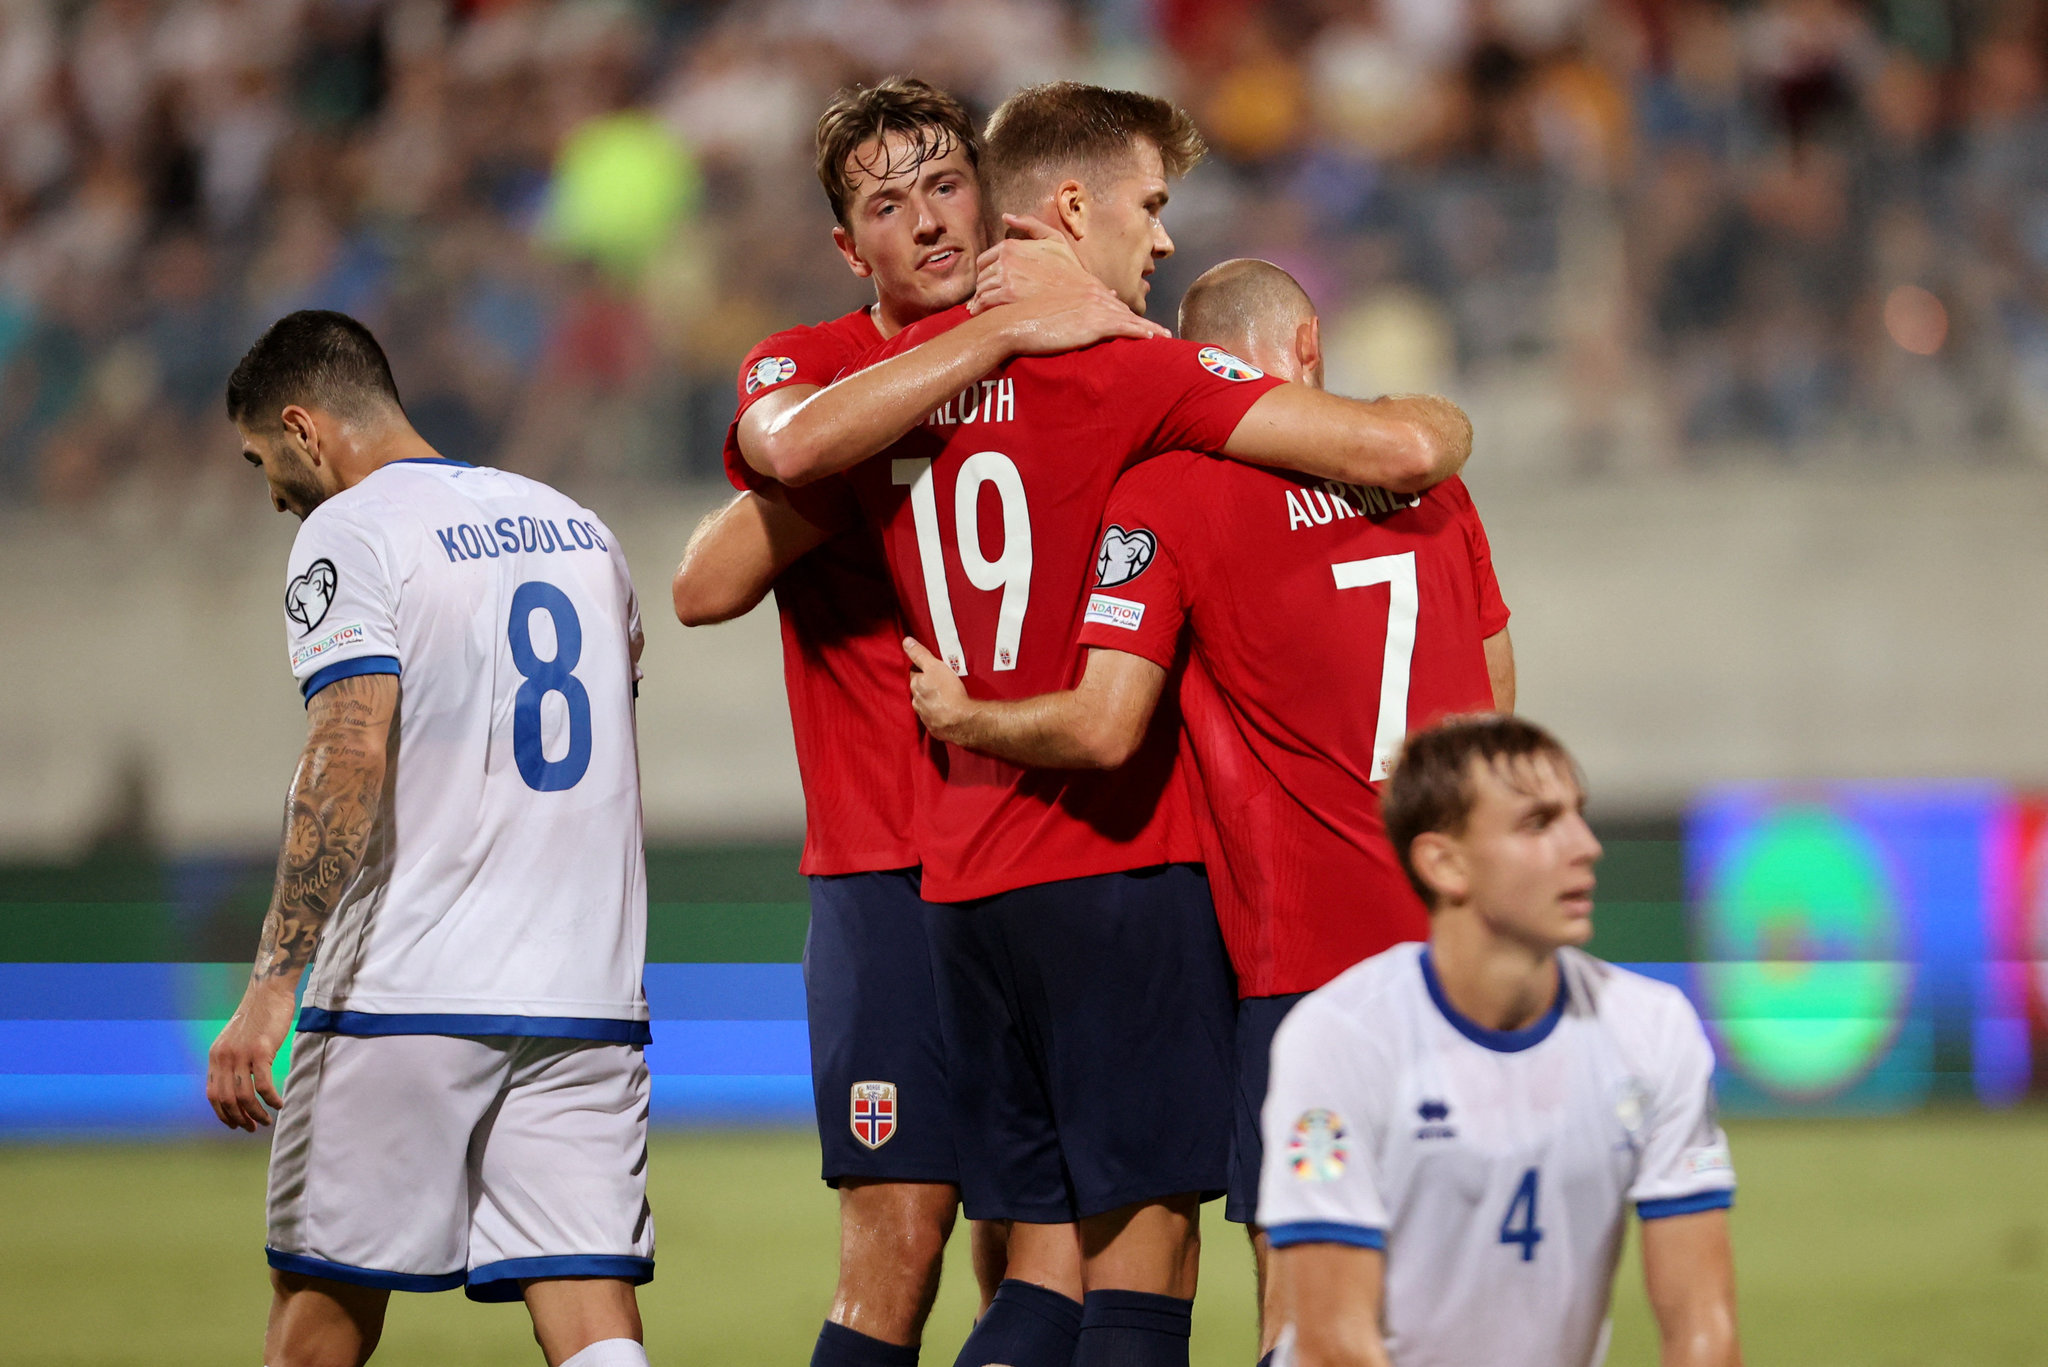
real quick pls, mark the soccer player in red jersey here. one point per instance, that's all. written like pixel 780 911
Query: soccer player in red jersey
pixel 1317 623
pixel 1083 982
pixel 898 162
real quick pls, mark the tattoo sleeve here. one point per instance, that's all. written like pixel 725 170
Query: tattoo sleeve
pixel 328 818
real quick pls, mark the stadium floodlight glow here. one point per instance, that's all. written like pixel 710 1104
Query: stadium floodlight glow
pixel 1805 976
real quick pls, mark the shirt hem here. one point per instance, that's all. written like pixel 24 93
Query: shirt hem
pixel 1720 1198
pixel 1325 1232
pixel 369 1024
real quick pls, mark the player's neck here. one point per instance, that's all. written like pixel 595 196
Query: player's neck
pixel 1491 980
pixel 365 457
pixel 890 320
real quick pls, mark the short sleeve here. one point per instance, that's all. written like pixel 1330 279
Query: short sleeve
pixel 1140 595
pixel 1684 1165
pixel 340 602
pixel 1320 1183
pixel 801 356
pixel 1189 396
pixel 1493 610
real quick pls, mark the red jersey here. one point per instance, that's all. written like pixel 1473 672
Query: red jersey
pixel 842 656
pixel 1324 620
pixel 988 513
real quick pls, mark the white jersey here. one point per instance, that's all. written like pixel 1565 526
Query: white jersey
pixel 504 887
pixel 1494 1168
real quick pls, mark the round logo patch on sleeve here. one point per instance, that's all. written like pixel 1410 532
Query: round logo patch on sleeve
pixel 769 371
pixel 1217 361
pixel 1319 1147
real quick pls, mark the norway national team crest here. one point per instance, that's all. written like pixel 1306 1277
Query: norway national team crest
pixel 874 1112
pixel 769 370
pixel 1319 1147
pixel 307 598
pixel 1217 361
pixel 1124 555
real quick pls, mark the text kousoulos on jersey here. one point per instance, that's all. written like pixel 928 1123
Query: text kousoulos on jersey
pixel 1322 623
pixel 857 739
pixel 1494 1168
pixel 988 513
pixel 504 889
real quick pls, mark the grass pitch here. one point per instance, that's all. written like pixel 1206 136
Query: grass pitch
pixel 1913 1242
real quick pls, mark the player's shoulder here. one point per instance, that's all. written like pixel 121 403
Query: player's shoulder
pixel 1362 1000
pixel 819 348
pixel 1631 1005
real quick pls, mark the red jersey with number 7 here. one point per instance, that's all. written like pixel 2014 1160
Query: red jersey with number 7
pixel 1321 622
pixel 842 654
pixel 988 511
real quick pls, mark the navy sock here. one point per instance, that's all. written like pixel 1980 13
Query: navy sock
pixel 1134 1329
pixel 839 1346
pixel 1026 1326
pixel 1267 1360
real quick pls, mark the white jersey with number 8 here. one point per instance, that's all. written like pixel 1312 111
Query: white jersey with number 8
pixel 1494 1168
pixel 504 889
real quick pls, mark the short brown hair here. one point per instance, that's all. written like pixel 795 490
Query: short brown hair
pixel 935 122
pixel 1431 789
pixel 1065 126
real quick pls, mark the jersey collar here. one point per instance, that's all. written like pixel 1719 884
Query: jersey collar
pixel 1500 1041
pixel 431 460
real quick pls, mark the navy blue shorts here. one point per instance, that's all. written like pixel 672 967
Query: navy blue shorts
pixel 1089 1025
pixel 1258 1019
pixel 878 1058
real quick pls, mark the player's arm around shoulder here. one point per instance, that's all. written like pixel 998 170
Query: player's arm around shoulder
pixel 737 552
pixel 1098 724
pixel 1405 442
pixel 329 815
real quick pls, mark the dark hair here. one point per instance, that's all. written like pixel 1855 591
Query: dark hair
pixel 935 122
pixel 1068 127
pixel 311 357
pixel 1431 789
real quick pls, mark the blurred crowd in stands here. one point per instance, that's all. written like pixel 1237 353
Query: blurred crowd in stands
pixel 1627 232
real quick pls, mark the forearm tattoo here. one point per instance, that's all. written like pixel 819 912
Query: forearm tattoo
pixel 328 820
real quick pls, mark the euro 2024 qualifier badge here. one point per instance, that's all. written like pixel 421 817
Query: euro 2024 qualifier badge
pixel 874 1112
pixel 1319 1147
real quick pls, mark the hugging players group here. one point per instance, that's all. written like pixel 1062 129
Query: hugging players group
pixel 1169 612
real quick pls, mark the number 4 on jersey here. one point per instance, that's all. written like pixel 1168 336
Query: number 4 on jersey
pixel 1523 1207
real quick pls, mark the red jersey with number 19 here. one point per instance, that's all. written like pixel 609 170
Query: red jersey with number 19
pixel 1323 621
pixel 842 655
pixel 988 513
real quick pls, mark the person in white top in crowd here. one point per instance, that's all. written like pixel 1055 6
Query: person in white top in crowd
pixel 1455 1131
pixel 467 1099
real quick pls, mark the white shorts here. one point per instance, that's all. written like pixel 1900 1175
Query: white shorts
pixel 428 1162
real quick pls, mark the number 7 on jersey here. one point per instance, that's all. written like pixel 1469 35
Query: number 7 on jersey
pixel 1397 572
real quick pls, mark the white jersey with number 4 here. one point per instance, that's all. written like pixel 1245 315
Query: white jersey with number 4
pixel 1494 1168
pixel 504 887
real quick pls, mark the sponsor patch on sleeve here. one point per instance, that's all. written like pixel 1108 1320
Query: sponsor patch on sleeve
pixel 769 371
pixel 1711 1159
pixel 1217 361
pixel 354 634
pixel 1114 612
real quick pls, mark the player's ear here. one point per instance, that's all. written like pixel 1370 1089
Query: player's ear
pixel 1440 863
pixel 1070 208
pixel 300 424
pixel 1308 346
pixel 843 240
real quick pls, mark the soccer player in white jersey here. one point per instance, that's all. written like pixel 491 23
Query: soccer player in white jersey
pixel 1455 1131
pixel 467 1100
